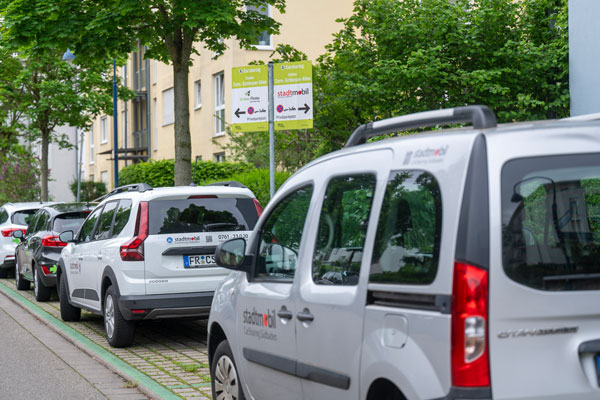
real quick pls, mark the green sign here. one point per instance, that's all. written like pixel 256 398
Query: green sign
pixel 293 95
pixel 250 98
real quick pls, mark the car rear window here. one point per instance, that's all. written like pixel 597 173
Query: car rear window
pixel 551 222
pixel 69 222
pixel 201 215
pixel 22 217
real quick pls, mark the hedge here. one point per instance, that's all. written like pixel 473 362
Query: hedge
pixel 160 173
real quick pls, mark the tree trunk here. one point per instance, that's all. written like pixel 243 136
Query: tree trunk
pixel 44 164
pixel 183 140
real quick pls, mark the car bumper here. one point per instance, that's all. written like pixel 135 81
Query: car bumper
pixel 456 393
pixel 8 262
pixel 176 305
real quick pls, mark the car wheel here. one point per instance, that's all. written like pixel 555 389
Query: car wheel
pixel 22 284
pixel 226 384
pixel 119 331
pixel 42 293
pixel 3 272
pixel 68 312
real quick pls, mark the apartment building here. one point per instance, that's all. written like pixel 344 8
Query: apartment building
pixel 145 125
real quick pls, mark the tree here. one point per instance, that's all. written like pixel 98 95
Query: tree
pixel 170 28
pixel 53 93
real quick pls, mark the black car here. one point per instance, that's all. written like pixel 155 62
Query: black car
pixel 37 254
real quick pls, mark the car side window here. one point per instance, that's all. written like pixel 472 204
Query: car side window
pixel 3 215
pixel 281 235
pixel 121 217
pixel 32 223
pixel 105 221
pixel 85 233
pixel 42 222
pixel 407 243
pixel 342 229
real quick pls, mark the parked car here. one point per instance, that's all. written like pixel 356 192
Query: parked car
pixel 13 217
pixel 39 250
pixel 476 262
pixel 147 253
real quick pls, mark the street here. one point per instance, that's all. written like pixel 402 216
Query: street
pixel 168 357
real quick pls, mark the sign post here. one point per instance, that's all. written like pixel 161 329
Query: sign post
pixel 274 97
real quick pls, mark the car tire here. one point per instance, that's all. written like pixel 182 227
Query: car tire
pixel 42 293
pixel 22 283
pixel 68 312
pixel 224 374
pixel 119 331
pixel 3 272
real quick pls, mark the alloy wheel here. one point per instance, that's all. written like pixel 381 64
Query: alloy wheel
pixel 226 381
pixel 109 316
pixel 17 273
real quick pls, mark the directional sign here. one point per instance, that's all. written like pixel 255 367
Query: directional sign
pixel 293 95
pixel 250 98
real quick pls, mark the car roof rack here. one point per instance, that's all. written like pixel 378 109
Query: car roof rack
pixel 479 116
pixel 134 187
pixel 235 184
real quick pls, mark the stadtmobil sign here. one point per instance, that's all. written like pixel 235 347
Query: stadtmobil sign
pixel 292 97
pixel 250 98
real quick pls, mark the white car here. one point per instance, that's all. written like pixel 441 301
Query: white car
pixel 13 217
pixel 148 253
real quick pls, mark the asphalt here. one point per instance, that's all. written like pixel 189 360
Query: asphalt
pixel 37 363
pixel 29 370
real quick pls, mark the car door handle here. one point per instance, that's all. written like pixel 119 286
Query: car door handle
pixel 305 316
pixel 99 256
pixel 284 313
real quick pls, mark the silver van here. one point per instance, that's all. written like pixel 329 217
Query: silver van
pixel 455 264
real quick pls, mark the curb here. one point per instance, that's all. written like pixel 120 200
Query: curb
pixel 145 384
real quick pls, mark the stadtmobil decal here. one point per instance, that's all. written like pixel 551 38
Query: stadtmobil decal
pixel 260 325
pixel 428 155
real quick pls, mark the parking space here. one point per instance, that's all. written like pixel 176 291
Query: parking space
pixel 172 353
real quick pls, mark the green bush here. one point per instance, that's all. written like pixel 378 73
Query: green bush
pixel 19 177
pixel 257 180
pixel 161 173
pixel 89 191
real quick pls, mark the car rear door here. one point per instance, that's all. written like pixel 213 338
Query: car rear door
pixel 545 274
pixel 183 235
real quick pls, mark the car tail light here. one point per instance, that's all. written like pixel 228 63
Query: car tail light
pixel 203 196
pixel 470 349
pixel 8 231
pixel 52 241
pixel 133 250
pixel 45 270
pixel 258 207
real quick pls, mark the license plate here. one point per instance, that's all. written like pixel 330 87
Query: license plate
pixel 198 261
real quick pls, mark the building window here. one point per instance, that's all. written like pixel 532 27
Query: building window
pixel 124 74
pixel 264 39
pixel 155 123
pixel 103 138
pixel 91 177
pixel 198 94
pixel 124 129
pixel 219 157
pixel 104 177
pixel 154 71
pixel 219 88
pixel 168 107
pixel 91 136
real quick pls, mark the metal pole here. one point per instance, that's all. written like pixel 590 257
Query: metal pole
pixel 271 133
pixel 115 132
pixel 80 166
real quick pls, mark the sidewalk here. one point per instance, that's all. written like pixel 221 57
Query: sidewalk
pixel 168 359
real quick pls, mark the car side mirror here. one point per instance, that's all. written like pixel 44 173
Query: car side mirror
pixel 18 234
pixel 66 236
pixel 232 255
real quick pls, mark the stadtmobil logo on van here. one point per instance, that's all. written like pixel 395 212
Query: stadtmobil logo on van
pixel 264 321
pixel 425 156
pixel 184 239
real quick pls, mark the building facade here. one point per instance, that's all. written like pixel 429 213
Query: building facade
pixel 146 123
